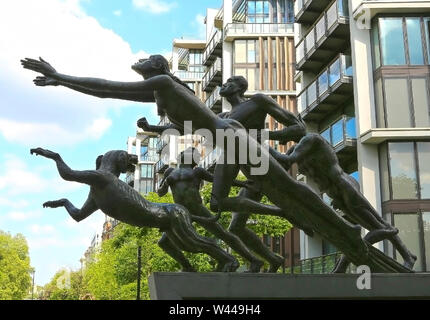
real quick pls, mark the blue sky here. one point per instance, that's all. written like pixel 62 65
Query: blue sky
pixel 100 38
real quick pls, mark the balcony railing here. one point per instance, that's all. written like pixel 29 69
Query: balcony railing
pixel 189 75
pixel 328 35
pixel 213 49
pixel 308 11
pixel 233 30
pixel 340 132
pixel 160 166
pixel 214 99
pixel 331 88
pixel 213 76
pixel 148 158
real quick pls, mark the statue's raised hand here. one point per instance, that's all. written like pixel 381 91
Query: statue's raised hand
pixel 45 81
pixel 143 124
pixel 39 66
pixel 45 153
pixel 54 204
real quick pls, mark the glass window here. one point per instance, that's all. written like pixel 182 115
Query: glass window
pixel 415 45
pixel 259 7
pixel 402 168
pixel 426 231
pixel 351 131
pixel 326 135
pixel 392 45
pixel 323 83
pixel 427 34
pixel 240 51
pixel 251 51
pixel 376 51
pixel 251 79
pixel 312 93
pixel 421 103
pixel 251 7
pixel 409 234
pixel 337 132
pixel 424 169
pixel 334 71
pixel 397 103
pixel 328 248
pixel 383 164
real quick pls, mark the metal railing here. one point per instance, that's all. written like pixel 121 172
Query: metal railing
pixel 311 40
pixel 148 158
pixel 160 166
pixel 189 75
pixel 258 28
pixel 340 69
pixel 212 44
pixel 213 98
pixel 215 68
pixel 160 145
pixel 340 131
pixel 318 265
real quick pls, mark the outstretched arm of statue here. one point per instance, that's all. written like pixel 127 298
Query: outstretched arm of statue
pixel 164 185
pixel 300 150
pixel 110 87
pixel 144 124
pixel 87 209
pixel 295 128
pixel 90 177
pixel 43 81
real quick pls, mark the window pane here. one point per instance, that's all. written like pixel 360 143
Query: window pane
pixel 409 234
pixel 259 7
pixel 337 132
pixel 393 49
pixel 421 103
pixel 251 7
pixel 251 79
pixel 240 51
pixel 379 101
pixel 424 165
pixel 402 165
pixel 383 164
pixel 312 93
pixel 251 51
pixel 334 72
pixel 240 72
pixel 351 131
pixel 426 230
pixel 414 41
pixel 326 135
pixel 427 27
pixel 323 83
pixel 266 7
pixel 376 52
pixel 397 103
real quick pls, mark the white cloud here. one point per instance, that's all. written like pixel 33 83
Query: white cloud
pixel 23 215
pixel 42 229
pixel 117 13
pixel 74 43
pixel 14 204
pixel 154 6
pixel 18 179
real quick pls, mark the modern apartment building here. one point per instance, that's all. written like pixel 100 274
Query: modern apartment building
pixel 363 81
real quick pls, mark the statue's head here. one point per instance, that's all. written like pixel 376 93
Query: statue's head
pixel 149 67
pixel 234 85
pixel 120 160
pixel 189 156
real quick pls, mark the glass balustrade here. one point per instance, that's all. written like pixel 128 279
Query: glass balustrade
pixel 340 131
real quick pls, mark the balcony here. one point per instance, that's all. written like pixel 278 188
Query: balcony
pixel 160 166
pixel 307 11
pixel 147 157
pixel 342 135
pixel 214 101
pixel 189 75
pixel 213 76
pixel 328 36
pixel 213 49
pixel 328 91
pixel 251 30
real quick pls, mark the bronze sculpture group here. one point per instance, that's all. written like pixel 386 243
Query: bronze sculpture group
pixel 292 200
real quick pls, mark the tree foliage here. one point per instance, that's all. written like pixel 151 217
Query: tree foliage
pixel 15 279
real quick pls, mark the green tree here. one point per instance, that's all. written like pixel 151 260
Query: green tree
pixel 15 279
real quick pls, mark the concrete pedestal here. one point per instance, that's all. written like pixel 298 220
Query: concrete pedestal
pixel 185 286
